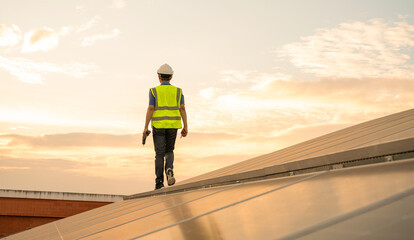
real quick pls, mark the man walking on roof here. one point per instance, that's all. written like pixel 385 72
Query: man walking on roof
pixel 166 109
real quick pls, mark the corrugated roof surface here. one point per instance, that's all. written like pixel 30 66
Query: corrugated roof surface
pixel 373 201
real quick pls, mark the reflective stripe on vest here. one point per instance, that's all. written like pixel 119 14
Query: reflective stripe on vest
pixel 167 107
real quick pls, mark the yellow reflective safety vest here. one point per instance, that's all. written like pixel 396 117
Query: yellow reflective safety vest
pixel 167 107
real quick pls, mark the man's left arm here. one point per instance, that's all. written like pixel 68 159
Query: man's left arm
pixel 183 113
pixel 150 111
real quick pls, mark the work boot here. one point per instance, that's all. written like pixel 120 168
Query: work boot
pixel 159 186
pixel 170 177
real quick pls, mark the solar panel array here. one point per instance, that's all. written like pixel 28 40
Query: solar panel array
pixel 266 209
pixel 373 201
pixel 386 129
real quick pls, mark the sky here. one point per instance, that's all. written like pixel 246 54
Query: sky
pixel 257 76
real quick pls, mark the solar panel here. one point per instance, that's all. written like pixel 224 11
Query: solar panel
pixel 264 209
pixel 389 128
pixel 391 221
pixel 323 203
pixel 298 206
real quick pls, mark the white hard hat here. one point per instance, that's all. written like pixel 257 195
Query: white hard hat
pixel 165 69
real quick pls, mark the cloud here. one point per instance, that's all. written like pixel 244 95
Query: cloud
pixel 71 140
pixel 64 31
pixel 34 72
pixel 88 41
pixel 126 150
pixel 64 175
pixel 269 107
pixel 80 7
pixel 91 23
pixel 19 127
pixel 92 155
pixel 362 70
pixel 13 168
pixel 9 163
pixel 10 35
pixel 42 39
pixel 118 4
pixel 235 76
pixel 252 79
pixel 64 157
pixel 68 175
pixel 208 93
pixel 371 49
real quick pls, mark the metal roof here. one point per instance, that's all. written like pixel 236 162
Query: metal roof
pixel 353 183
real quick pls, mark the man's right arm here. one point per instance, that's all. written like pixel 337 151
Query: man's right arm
pixel 150 111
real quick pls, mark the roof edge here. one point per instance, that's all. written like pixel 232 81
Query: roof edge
pixel 68 196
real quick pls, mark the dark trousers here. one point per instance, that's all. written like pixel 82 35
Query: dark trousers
pixel 164 142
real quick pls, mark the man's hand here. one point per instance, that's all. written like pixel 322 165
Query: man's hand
pixel 144 133
pixel 184 132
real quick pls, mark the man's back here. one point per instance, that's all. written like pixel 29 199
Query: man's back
pixel 165 111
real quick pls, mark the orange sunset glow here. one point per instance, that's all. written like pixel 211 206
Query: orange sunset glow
pixel 257 76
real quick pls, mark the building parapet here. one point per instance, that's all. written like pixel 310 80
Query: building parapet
pixel 8 193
